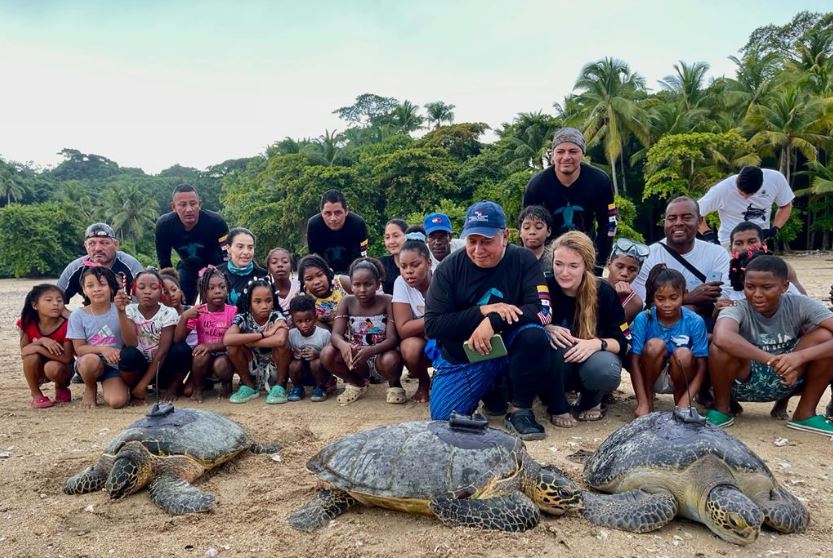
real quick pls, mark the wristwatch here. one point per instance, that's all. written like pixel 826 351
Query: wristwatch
pixel 604 344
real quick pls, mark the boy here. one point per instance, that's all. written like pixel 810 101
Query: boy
pixel 306 340
pixel 760 352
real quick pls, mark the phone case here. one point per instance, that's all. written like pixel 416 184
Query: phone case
pixel 498 350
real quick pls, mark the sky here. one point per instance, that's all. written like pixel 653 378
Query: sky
pixel 154 83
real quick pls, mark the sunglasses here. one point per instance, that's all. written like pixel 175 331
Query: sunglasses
pixel 627 247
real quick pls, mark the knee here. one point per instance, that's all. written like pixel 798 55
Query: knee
pixel 53 369
pixel 88 364
pixel 601 372
pixel 411 349
pixel 533 339
pixel 654 347
pixel 684 356
pixel 31 361
pixel 390 361
pixel 131 359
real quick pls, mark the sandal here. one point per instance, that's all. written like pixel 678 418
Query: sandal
pixel 721 420
pixel 815 425
pixel 396 395
pixel 42 402
pixel 591 415
pixel 564 420
pixel 350 394
pixel 63 395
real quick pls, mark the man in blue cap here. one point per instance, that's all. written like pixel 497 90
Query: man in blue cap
pixel 438 231
pixel 490 287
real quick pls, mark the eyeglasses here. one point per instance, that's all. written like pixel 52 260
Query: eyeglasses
pixel 627 247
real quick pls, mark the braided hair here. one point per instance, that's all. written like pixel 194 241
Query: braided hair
pixel 205 279
pixel 371 264
pixel 163 297
pixel 738 264
pixel 255 282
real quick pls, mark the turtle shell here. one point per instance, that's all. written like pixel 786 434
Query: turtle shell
pixel 203 435
pixel 418 460
pixel 662 441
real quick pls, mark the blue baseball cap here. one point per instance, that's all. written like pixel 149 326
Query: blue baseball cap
pixel 434 222
pixel 484 218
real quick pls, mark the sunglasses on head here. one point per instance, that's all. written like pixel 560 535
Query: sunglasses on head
pixel 627 247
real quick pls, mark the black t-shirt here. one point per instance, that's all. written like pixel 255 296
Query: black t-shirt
pixel 197 248
pixel 588 199
pixel 391 273
pixel 610 316
pixel 458 289
pixel 339 248
pixel 237 283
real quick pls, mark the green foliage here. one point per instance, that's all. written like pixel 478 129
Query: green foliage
pixel 626 211
pixel 39 239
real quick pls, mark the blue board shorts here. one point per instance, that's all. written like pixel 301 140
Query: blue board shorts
pixel 764 384
pixel 109 371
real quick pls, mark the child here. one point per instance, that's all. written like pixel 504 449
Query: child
pixel 176 299
pixel 769 344
pixel 669 343
pixel 44 348
pixel 327 289
pixel 623 266
pixel 98 332
pixel 307 340
pixel 209 320
pixel 257 343
pixel 371 340
pixel 534 228
pixel 279 265
pixel 155 355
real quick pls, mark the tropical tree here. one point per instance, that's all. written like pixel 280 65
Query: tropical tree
pixel 753 81
pixel 405 118
pixel 439 112
pixel 528 139
pixel 325 150
pixel 130 210
pixel 687 83
pixel 11 184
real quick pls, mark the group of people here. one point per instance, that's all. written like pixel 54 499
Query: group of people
pixel 500 324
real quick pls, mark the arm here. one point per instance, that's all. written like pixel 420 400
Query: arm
pixel 389 344
pixel 406 324
pixel 337 336
pixel 633 307
pixel 782 215
pixel 442 321
pixel 792 276
pixel 314 243
pixel 727 338
pixel 139 391
pixel 163 246
pixel 346 284
pixel 364 241
pixel 182 330
pixel 234 337
pixel 219 239
pixel 275 335
pixel 128 328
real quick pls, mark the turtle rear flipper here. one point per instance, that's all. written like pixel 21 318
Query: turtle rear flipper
pixel 264 448
pixel 90 479
pixel 176 496
pixel 510 512
pixel 327 505
pixel 784 512
pixel 635 510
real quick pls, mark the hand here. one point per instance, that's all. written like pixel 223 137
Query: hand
pixel 707 293
pixel 273 329
pixel 711 236
pixel 622 288
pixel 723 303
pixel 193 313
pixel 560 337
pixel 582 350
pixel 481 338
pixel 509 313
pixel 122 299
pixel 770 232
pixel 788 366
pixel 200 350
pixel 362 355
pixel 309 353
pixel 51 346
pixel 139 392
pixel 111 355
pixel 296 354
pixel 347 355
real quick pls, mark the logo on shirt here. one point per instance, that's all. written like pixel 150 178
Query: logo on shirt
pixel 753 212
pixel 568 214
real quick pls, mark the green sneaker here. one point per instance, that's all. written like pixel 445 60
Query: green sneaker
pixel 276 396
pixel 719 419
pixel 244 393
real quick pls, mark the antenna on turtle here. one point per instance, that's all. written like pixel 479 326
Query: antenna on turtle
pixel 159 409
pixel 691 414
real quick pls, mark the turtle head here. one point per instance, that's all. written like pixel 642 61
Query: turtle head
pixel 732 516
pixel 553 492
pixel 132 470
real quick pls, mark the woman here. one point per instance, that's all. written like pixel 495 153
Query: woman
pixel 586 330
pixel 394 238
pixel 241 267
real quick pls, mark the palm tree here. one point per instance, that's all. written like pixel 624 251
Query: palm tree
pixel 608 91
pixel 11 185
pixel 529 138
pixel 406 118
pixel 130 210
pixel 812 65
pixel 326 149
pixel 439 112
pixel 687 83
pixel 753 81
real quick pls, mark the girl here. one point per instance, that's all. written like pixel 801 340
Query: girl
pixel 371 340
pixel 623 266
pixel 257 342
pixel 534 228
pixel 209 320
pixel 586 330
pixel 669 343
pixel 279 265
pixel 98 332
pixel 176 299
pixel 408 306
pixel 44 348
pixel 319 281
pixel 155 324
pixel 241 267
pixel 395 230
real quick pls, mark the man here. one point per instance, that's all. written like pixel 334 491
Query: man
pixel 438 232
pixel 197 235
pixel 704 265
pixel 576 194
pixel 747 196
pixel 335 234
pixel 102 249
pixel 490 287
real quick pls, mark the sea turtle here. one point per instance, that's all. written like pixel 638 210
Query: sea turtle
pixel 666 464
pixel 459 471
pixel 166 453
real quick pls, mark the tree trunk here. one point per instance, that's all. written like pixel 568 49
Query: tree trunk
pixel 613 172
pixel 624 178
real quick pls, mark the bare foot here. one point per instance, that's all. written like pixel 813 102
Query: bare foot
pixel 188 391
pixel 88 402
pixel 779 410
pixel 422 394
pixel 169 394
pixel 592 414
pixel 225 391
pixel 642 410
pixel 196 395
pixel 137 402
pixel 564 420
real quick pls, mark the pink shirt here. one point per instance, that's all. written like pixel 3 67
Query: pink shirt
pixel 211 326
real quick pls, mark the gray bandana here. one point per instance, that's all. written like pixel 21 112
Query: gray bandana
pixel 570 135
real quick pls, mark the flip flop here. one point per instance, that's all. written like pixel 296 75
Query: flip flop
pixel 721 420
pixel 591 415
pixel 42 402
pixel 396 396
pixel 815 425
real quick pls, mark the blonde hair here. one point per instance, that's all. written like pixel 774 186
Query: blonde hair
pixel 587 295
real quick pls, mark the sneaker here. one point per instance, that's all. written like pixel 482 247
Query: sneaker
pixel 297 393
pixel 522 423
pixel 244 393
pixel 719 419
pixel 815 425
pixel 319 394
pixel 277 395
pixel 76 379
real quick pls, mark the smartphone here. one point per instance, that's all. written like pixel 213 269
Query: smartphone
pixel 498 350
pixel 714 277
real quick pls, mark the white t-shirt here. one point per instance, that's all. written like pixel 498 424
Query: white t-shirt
pixel 319 339
pixel 705 256
pixel 456 244
pixel 149 330
pixel 740 295
pixel 733 208
pixel 403 292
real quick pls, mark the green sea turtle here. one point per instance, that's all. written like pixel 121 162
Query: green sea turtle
pixel 666 464
pixel 166 453
pixel 460 471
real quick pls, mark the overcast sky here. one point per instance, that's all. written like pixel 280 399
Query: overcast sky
pixel 153 83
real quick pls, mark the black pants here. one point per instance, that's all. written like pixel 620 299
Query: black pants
pixel 178 360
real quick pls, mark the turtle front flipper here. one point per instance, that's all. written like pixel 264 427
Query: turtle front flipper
pixel 89 480
pixel 784 512
pixel 635 510
pixel 264 448
pixel 327 505
pixel 176 496
pixel 510 512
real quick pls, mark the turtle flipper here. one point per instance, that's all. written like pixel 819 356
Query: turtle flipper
pixel 89 480
pixel 176 496
pixel 511 512
pixel 635 510
pixel 264 448
pixel 327 505
pixel 784 512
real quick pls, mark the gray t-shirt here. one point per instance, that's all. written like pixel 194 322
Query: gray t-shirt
pixel 318 340
pixel 101 330
pixel 795 316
